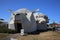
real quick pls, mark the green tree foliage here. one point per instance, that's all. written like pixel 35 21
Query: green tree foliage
pixel 4 29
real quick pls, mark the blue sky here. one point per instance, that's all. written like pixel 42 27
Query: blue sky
pixel 49 7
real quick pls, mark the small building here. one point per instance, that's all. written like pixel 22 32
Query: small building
pixel 22 19
pixel 3 26
pixel 57 27
pixel 3 23
pixel 27 20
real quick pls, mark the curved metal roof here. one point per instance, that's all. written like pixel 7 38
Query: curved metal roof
pixel 39 14
pixel 23 10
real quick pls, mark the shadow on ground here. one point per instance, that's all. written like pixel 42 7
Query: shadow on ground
pixel 37 32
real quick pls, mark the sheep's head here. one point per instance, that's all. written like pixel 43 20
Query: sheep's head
pixel 41 18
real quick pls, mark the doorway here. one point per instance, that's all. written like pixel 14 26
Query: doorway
pixel 18 27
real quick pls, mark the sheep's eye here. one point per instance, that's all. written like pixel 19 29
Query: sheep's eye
pixel 17 14
pixel 37 21
pixel 25 13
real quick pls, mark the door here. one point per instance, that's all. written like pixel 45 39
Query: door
pixel 18 27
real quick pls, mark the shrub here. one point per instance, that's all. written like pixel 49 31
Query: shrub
pixel 3 29
pixel 11 31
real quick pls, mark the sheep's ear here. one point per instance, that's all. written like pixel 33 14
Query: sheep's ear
pixel 35 10
pixel 10 10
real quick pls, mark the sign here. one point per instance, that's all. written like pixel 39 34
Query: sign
pixel 22 32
